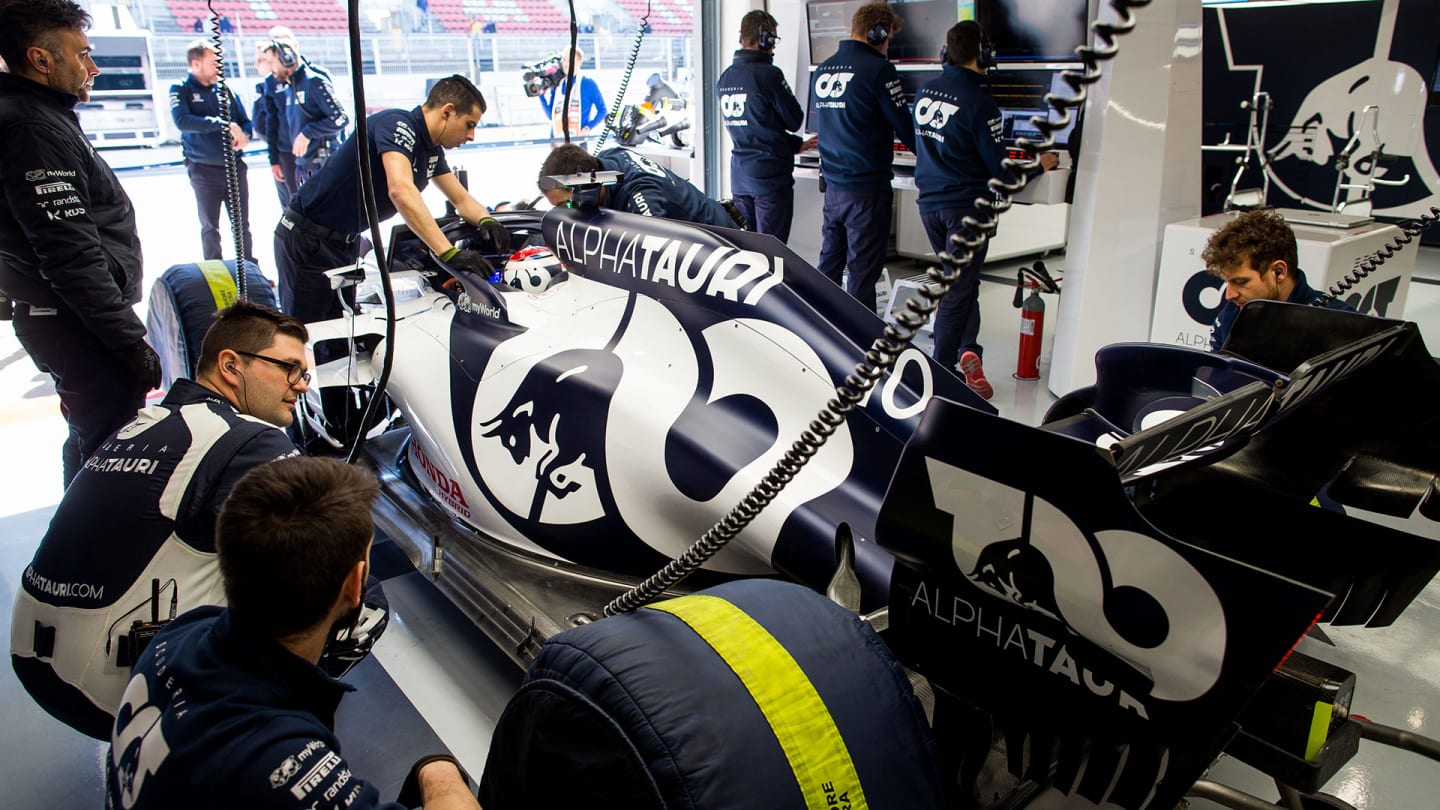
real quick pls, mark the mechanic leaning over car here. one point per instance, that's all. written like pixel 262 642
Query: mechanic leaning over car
pixel 227 707
pixel 761 113
pixel 857 94
pixel 321 227
pixel 1255 256
pixel 133 540
pixel 69 252
pixel 643 187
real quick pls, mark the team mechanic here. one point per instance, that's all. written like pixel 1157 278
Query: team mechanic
pixel 760 113
pixel 142 511
pixel 205 139
pixel 69 252
pixel 313 116
pixel 855 91
pixel 957 150
pixel 1256 257
pixel 227 708
pixel 643 187
pixel 320 228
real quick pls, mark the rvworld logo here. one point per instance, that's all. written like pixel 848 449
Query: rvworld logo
pixel 744 276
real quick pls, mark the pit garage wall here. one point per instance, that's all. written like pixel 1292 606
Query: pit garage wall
pixel 1322 63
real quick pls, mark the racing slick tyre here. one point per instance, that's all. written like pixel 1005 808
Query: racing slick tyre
pixel 183 303
pixel 755 693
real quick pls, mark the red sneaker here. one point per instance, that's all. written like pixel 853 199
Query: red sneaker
pixel 975 374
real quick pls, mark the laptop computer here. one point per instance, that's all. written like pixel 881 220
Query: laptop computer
pixel 1323 219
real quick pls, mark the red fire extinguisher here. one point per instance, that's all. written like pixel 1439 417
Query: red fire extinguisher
pixel 1032 317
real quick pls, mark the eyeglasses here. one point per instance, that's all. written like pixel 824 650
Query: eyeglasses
pixel 294 371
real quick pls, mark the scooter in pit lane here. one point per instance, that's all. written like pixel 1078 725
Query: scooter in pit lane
pixel 1075 581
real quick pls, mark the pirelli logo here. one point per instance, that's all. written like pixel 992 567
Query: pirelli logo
pixel 314 777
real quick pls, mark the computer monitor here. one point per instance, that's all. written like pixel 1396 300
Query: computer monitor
pixel 1021 94
pixel 923 33
pixel 1031 30
pixel 829 25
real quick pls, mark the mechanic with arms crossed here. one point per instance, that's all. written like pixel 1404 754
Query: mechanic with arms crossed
pixel 227 707
pixel 69 252
pixel 760 113
pixel 1255 256
pixel 957 150
pixel 320 229
pixel 857 93
pixel 643 187
pixel 143 511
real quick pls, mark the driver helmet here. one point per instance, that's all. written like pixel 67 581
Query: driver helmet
pixel 532 269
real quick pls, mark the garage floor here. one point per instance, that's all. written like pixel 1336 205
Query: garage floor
pixel 435 682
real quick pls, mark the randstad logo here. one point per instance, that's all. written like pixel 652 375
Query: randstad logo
pixel 733 106
pixel 933 112
pixel 832 85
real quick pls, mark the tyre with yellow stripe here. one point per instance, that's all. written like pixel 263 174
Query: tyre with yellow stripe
pixel 752 694
pixel 183 303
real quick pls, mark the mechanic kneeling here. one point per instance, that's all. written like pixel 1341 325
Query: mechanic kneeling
pixel 228 708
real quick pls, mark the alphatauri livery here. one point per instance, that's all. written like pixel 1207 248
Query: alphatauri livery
pixel 957 140
pixel 760 113
pixel 312 110
pixel 78 597
pixel 859 102
pixel 196 111
pixel 651 190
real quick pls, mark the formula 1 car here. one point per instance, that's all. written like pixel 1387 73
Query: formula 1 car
pixel 1114 586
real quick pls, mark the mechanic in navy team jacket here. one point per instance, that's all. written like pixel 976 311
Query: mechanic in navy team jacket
pixel 320 228
pixel 957 150
pixel 859 103
pixel 760 113
pixel 69 253
pixel 227 707
pixel 206 137
pixel 315 120
pixel 643 188
pixel 1255 256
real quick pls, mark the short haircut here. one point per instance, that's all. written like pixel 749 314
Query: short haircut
pixel 26 24
pixel 456 90
pixel 753 23
pixel 197 49
pixel 962 42
pixel 287 537
pixel 1259 237
pixel 246 327
pixel 568 159
pixel 868 15
pixel 282 33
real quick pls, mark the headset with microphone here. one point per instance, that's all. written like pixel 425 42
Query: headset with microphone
pixel 285 54
pixel 768 37
pixel 878 34
pixel 984 56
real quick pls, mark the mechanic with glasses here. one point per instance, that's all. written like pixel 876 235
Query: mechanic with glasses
pixel 133 540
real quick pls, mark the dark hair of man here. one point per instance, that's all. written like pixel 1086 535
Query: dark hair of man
pixel 1261 237
pixel 26 24
pixel 456 90
pixel 962 42
pixel 569 159
pixel 870 14
pixel 246 327
pixel 288 535
pixel 197 51
pixel 753 23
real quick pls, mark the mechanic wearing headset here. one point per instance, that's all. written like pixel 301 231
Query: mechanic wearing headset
pixel 957 150
pixel 857 94
pixel 643 188
pixel 760 113
pixel 206 137
pixel 1256 258
pixel 320 228
pixel 139 521
pixel 313 116
pixel 269 117
pixel 232 707
pixel 69 253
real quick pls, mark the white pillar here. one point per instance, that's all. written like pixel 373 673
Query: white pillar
pixel 1139 170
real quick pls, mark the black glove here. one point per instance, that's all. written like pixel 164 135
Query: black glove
pixel 145 363
pixel 494 234
pixel 410 789
pixel 471 261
